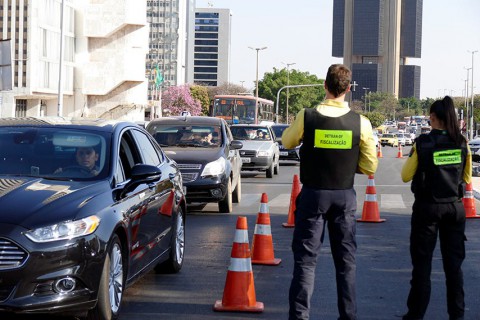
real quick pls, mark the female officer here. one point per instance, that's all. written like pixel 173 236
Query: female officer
pixel 439 164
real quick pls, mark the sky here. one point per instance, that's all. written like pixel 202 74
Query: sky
pixel 300 32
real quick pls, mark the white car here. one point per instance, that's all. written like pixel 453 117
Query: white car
pixel 474 148
pixel 402 139
pixel 375 137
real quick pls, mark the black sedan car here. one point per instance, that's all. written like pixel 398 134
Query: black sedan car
pixel 207 156
pixel 87 207
pixel 285 154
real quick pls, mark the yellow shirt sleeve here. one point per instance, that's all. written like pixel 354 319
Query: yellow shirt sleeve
pixel 410 166
pixel 367 161
pixel 467 172
pixel 292 136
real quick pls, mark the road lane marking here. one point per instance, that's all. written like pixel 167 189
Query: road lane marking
pixel 392 201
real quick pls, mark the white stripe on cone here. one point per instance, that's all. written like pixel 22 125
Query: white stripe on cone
pixel 263 208
pixel 371 183
pixel 263 229
pixel 240 265
pixel 241 236
pixel 371 197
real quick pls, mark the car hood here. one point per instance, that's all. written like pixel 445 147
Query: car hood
pixel 32 202
pixel 256 145
pixel 193 155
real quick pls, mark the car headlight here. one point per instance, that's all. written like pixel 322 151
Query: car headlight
pixel 264 153
pixel 214 168
pixel 64 230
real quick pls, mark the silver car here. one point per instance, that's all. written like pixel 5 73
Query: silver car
pixel 260 151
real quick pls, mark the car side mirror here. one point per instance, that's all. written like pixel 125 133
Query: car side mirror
pixel 235 145
pixel 141 173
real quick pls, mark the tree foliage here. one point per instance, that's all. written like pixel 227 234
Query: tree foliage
pixel 177 99
pixel 226 88
pixel 298 98
pixel 376 118
pixel 200 93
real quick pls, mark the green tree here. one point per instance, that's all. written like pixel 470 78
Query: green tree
pixel 376 118
pixel 385 103
pixel 200 93
pixel 225 88
pixel 298 98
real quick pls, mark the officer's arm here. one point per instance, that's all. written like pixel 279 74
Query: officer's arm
pixel 292 136
pixel 467 172
pixel 367 161
pixel 410 166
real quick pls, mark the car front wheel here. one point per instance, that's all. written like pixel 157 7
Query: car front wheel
pixel 226 204
pixel 270 170
pixel 237 193
pixel 111 287
pixel 276 170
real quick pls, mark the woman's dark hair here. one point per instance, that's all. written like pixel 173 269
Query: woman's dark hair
pixel 445 111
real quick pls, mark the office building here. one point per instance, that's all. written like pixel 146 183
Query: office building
pixel 211 50
pixel 103 65
pixel 375 39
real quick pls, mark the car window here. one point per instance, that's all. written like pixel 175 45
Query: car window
pixel 181 135
pixel 278 130
pixel 128 154
pixel 251 133
pixel 149 154
pixel 52 152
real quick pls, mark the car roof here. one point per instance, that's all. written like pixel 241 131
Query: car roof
pixel 83 123
pixel 280 125
pixel 199 120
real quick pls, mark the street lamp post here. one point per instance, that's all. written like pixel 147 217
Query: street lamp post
pixel 471 107
pixel 366 89
pixel 466 103
pixel 256 81
pixel 241 82
pixel 288 83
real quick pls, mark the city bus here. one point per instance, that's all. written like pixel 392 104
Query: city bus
pixel 242 109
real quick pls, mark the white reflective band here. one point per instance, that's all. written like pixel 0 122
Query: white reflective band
pixel 241 236
pixel 263 229
pixel 371 197
pixel 371 183
pixel 240 264
pixel 469 193
pixel 263 208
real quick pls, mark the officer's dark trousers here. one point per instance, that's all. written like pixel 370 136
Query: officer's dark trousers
pixel 315 208
pixel 428 220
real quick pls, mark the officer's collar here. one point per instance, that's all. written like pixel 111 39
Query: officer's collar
pixel 333 103
pixel 439 131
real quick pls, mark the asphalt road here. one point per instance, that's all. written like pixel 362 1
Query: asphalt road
pixel 383 261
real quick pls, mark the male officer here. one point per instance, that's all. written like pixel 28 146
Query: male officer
pixel 337 143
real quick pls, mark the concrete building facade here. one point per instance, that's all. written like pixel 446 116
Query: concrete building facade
pixel 103 66
pixel 211 50
pixel 375 38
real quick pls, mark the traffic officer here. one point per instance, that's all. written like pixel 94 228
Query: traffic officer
pixel 337 143
pixel 439 164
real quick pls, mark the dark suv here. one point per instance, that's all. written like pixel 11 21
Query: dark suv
pixel 285 154
pixel 207 156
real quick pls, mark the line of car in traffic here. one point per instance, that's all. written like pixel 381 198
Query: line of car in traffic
pixel 90 206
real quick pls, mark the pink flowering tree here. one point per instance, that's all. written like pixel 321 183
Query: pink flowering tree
pixel 178 99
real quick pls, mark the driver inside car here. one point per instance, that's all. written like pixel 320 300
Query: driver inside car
pixel 86 158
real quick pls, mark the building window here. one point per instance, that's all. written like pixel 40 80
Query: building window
pixel 20 108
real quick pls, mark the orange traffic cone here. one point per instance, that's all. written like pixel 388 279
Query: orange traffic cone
pixel 399 153
pixel 379 151
pixel 239 291
pixel 370 211
pixel 469 203
pixel 262 244
pixel 293 198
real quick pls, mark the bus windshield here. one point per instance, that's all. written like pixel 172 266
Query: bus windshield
pixel 242 109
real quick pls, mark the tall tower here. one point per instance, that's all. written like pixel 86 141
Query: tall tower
pixel 212 46
pixel 375 38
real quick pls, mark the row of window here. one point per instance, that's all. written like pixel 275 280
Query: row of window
pixel 200 76
pixel 199 35
pixel 205 69
pixel 206 49
pixel 206 42
pixel 206 28
pixel 205 56
pixel 213 22
pixel 206 15
pixel 165 3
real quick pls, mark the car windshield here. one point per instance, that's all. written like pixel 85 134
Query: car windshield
pixel 199 136
pixel 60 153
pixel 250 133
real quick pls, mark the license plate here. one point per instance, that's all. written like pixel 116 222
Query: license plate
pixel 246 160
pixel 284 153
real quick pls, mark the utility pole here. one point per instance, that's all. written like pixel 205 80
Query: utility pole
pixel 468 128
pixel 471 106
pixel 366 90
pixel 288 84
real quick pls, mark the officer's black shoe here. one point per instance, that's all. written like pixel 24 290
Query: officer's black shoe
pixel 408 316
